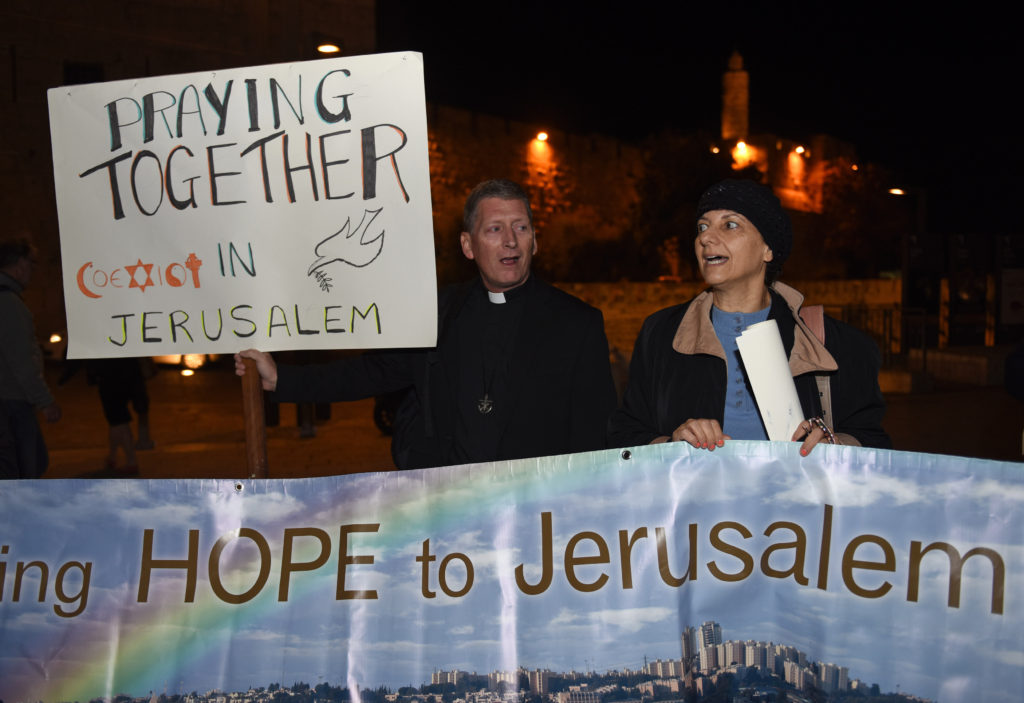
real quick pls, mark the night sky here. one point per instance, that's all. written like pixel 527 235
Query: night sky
pixel 931 94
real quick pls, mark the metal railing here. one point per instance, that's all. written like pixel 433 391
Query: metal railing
pixel 896 331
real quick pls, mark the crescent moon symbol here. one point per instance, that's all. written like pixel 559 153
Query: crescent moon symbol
pixel 81 281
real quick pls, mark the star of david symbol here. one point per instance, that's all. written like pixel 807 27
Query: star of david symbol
pixel 148 268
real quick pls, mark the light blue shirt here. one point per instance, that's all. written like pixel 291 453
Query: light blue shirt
pixel 742 419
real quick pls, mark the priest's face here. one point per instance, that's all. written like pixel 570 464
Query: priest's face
pixel 502 243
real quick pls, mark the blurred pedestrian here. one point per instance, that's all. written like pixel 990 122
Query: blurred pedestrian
pixel 121 383
pixel 23 389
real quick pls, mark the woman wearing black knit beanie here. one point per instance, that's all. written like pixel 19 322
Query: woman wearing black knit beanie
pixel 687 381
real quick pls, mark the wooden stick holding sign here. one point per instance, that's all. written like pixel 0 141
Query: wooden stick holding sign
pixel 255 422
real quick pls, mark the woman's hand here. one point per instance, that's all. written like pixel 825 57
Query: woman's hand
pixel 812 431
pixel 700 433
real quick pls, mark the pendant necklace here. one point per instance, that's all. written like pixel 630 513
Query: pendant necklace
pixel 486 404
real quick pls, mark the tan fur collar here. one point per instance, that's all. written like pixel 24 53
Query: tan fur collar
pixel 696 334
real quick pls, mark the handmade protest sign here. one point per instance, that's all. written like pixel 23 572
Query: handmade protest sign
pixel 277 207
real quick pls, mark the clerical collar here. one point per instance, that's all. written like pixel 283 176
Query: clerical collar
pixel 511 295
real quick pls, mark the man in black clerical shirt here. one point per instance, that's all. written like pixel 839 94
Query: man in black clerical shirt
pixel 520 368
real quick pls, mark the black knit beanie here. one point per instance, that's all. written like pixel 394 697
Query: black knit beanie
pixel 759 205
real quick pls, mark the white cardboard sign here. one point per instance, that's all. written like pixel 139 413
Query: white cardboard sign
pixel 276 207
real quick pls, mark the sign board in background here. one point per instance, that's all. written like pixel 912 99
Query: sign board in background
pixel 276 207
pixel 850 565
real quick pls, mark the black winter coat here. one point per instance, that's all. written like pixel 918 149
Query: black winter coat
pixel 563 390
pixel 666 388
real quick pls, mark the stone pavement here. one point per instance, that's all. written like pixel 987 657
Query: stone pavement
pixel 197 427
pixel 196 424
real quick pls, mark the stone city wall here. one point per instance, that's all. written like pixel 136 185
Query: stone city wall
pixel 582 187
pixel 625 305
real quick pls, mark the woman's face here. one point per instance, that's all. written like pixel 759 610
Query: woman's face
pixel 730 251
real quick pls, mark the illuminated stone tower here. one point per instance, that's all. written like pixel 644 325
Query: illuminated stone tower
pixel 735 99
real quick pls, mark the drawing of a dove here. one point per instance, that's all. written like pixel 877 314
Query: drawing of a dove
pixel 346 247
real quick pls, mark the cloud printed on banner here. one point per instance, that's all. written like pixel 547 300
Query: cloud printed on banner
pixel 260 635
pixel 850 491
pixel 1008 657
pixel 77 508
pixel 626 619
pixel 479 643
pixel 956 688
pixel 849 488
pixel 988 489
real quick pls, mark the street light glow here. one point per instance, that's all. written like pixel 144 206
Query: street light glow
pixel 328 48
pixel 743 155
pixel 897 191
pixel 542 136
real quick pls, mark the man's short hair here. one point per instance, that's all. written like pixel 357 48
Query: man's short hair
pixel 13 249
pixel 494 188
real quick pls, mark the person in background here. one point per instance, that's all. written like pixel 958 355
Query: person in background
pixel 686 379
pixel 121 382
pixel 23 389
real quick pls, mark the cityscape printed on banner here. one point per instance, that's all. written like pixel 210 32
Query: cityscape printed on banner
pixel 710 669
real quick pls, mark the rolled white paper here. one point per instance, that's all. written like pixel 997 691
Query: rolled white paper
pixel 768 371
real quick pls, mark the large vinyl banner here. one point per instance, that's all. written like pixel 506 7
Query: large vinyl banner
pixel 276 207
pixel 660 572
